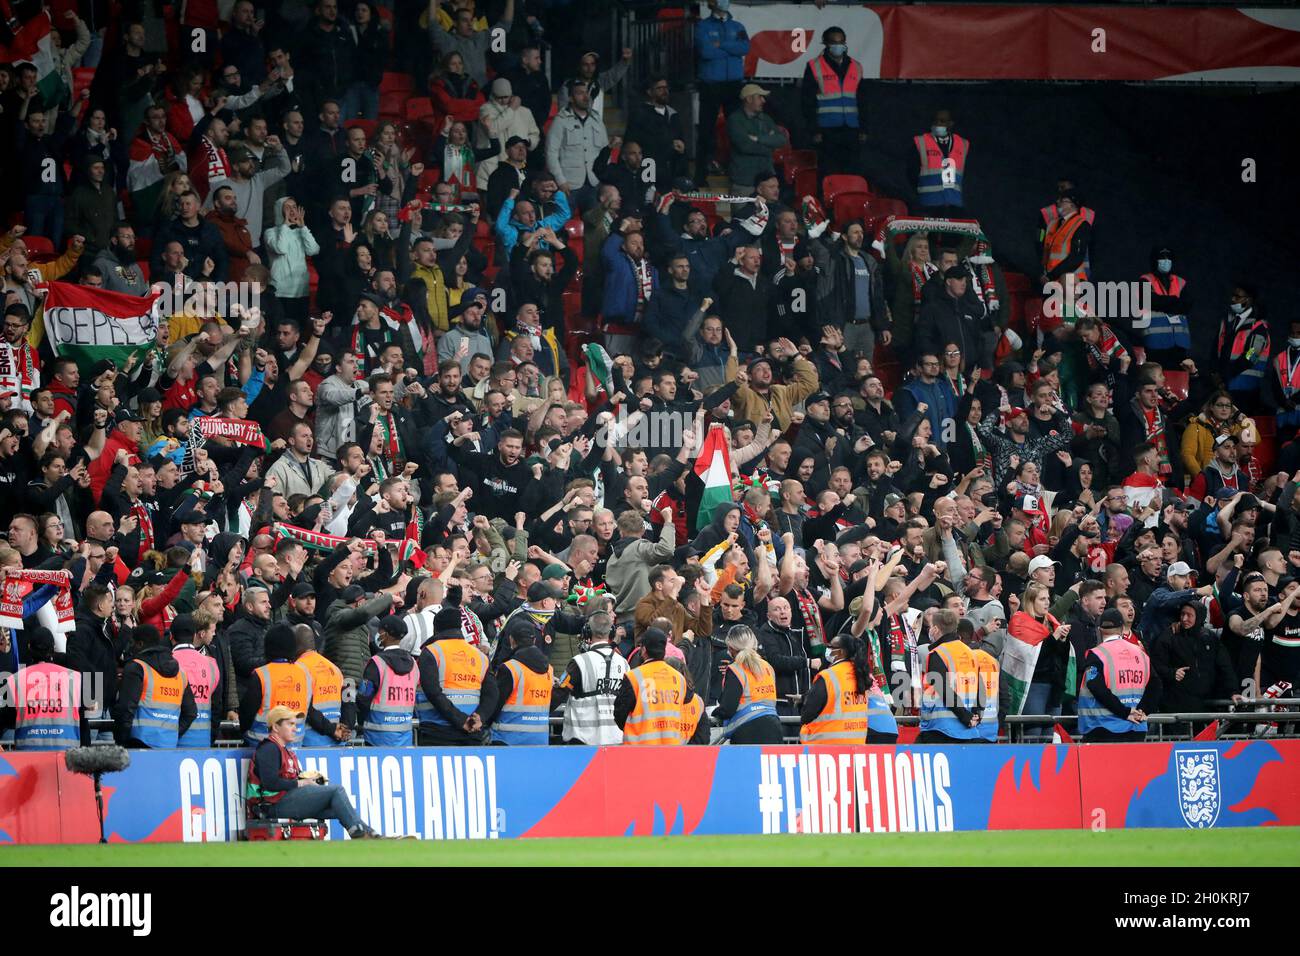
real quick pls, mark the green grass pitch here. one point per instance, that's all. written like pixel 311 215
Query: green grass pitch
pixel 1265 846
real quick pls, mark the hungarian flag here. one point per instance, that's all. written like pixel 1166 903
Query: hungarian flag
pixel 600 365
pixel 410 549
pixel 32 45
pixel 1025 637
pixel 88 324
pixel 714 468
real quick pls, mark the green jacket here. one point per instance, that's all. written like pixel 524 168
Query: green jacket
pixel 751 156
pixel 347 636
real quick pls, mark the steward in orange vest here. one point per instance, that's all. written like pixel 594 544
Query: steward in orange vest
pixel 1066 241
pixel 154 703
pixel 833 98
pixel 835 711
pixel 281 682
pixel 942 171
pixel 524 682
pixel 650 706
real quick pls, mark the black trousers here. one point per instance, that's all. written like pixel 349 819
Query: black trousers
pixel 839 152
pixel 723 96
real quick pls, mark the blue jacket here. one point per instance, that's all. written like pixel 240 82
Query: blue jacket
pixel 619 302
pixel 1162 609
pixel 706 256
pixel 940 398
pixel 510 229
pixel 721 45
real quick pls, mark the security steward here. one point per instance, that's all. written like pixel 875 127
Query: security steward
pixel 986 668
pixel 333 696
pixel 281 682
pixel 1066 242
pixel 524 683
pixel 386 694
pixel 650 704
pixel 835 711
pixel 590 684
pixel 747 703
pixel 453 692
pixel 203 672
pixel 42 701
pixel 1119 685
pixel 942 172
pixel 833 98
pixel 278 788
pixel 952 706
pixel 155 706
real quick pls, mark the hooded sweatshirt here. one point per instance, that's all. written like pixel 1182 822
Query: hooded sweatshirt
pixel 289 247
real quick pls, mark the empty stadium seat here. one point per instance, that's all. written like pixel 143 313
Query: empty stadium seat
pixel 38 246
pixel 793 160
pixel 839 183
pixel 848 206
pixel 396 83
pixel 417 107
pixel 367 125
pixel 392 105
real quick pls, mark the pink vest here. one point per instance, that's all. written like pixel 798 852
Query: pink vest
pixel 47 698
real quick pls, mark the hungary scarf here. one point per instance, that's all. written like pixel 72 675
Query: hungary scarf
pixel 238 430
pixel 316 540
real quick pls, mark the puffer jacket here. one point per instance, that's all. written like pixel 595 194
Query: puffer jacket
pixel 721 44
pixel 1198 441
pixel 289 246
pixel 347 633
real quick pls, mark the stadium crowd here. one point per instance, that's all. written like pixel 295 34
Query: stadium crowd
pixel 820 467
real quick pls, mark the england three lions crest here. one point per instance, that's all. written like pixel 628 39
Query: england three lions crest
pixel 1199 790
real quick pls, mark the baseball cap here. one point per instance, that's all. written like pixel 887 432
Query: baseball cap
pixel 280 713
pixel 816 397
pixel 353 592
pixel 892 499
pixel 197 516
pixel 302 589
pixel 955 272
pixel 501 87
pixel 515 141
pixel 392 624
pixel 759 360
pixel 750 89
pixel 1247 502
pixel 127 415
pixel 1040 562
pixel 1112 619
pixel 1178 568
pixel 1224 493
pixel 1012 413
pixel 1224 439
pixel 541 590
pixel 554 572
pixel 1028 503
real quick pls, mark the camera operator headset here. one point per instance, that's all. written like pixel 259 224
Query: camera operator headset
pixel 591 682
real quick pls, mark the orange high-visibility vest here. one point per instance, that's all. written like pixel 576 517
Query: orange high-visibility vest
pixel 658 715
pixel 1056 245
pixel 844 718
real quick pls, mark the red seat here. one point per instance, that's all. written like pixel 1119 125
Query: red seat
pixel 839 183
pixel 1266 451
pixel 805 183
pixel 1178 382
pixel 417 107
pixel 490 274
pixel 848 206
pixel 81 79
pixel 38 246
pixel 143 247
pixel 393 104
pixel 882 206
pixel 721 141
pixel 364 124
pixel 793 160
pixel 396 83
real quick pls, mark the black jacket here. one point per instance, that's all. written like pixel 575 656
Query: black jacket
pixel 92 651
pixel 160 659
pixel 840 305
pixel 742 306
pixel 247 640
pixel 1210 675
pixel 532 657
pixel 946 319
pixel 786 652
pixel 429 681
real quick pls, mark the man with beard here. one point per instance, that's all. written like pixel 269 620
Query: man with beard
pixel 877 416
pixel 1013 441
pixel 117 263
pixel 301 410
pixel 500 477
pixel 1245 636
pixel 705 254
pixel 468 338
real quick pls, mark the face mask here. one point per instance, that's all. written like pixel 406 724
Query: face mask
pixel 1164 265
pixel 940 132
pixel 838 49
pixel 724 6
pixel 1238 308
pixel 1293 342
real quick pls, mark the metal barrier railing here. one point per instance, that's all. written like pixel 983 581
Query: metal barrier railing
pixel 1233 724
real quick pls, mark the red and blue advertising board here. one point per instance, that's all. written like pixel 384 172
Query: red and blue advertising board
pixel 503 793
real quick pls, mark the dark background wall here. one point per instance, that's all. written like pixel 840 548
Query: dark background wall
pixel 1159 164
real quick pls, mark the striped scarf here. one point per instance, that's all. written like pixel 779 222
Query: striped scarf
pixel 813 628
pixel 394 448
pixel 145 521
pixel 644 284
pixel 215 159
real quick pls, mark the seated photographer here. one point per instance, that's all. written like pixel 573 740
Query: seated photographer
pixel 278 786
